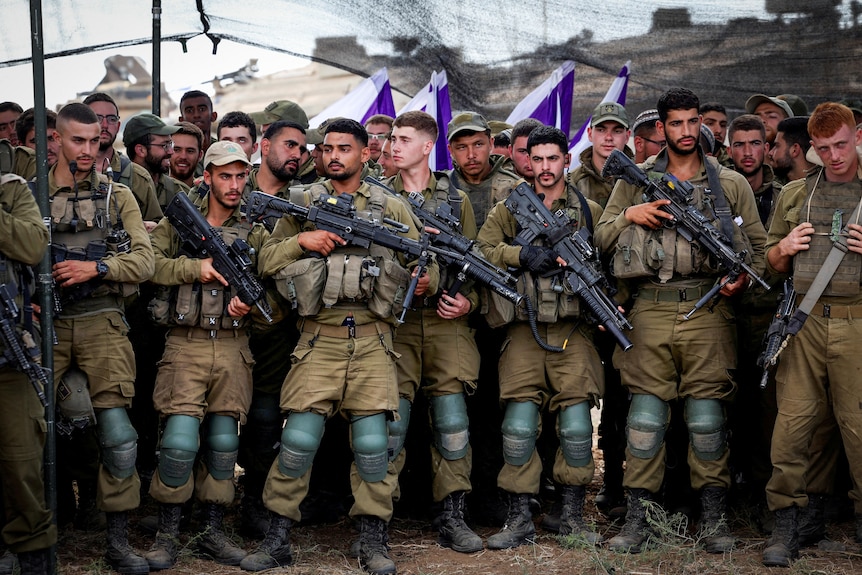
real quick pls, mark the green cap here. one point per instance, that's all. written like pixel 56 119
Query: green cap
pixel 467 122
pixel 752 103
pixel 281 110
pixel 139 126
pixel 797 104
pixel 315 135
pixel 497 127
pixel 610 111
pixel 223 153
pixel 854 104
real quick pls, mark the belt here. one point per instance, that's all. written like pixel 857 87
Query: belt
pixel 837 311
pixel 346 332
pixel 201 333
pixel 671 294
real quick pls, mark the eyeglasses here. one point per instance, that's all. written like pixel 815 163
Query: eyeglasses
pixel 659 144
pixel 378 136
pixel 112 119
pixel 167 146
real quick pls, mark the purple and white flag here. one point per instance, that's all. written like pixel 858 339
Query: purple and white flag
pixel 616 93
pixel 550 103
pixel 372 96
pixel 434 100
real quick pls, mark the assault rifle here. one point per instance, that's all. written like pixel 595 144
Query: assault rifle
pixel 582 275
pixel 778 334
pixel 21 352
pixel 687 220
pixel 231 262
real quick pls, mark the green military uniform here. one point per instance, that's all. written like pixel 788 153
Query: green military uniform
pixel 589 181
pixel 722 155
pixel 494 188
pixel 27 522
pixel 167 187
pixel 136 177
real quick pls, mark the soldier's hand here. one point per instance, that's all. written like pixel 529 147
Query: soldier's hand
pixel 649 215
pixel 70 272
pixel 319 241
pixel 150 226
pixel 453 307
pixel 422 284
pixel 854 240
pixel 739 286
pixel 236 308
pixel 209 273
pixel 797 240
pixel 539 259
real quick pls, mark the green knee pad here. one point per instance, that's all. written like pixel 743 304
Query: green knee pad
pixel 705 421
pixel 369 440
pixel 398 429
pixel 520 428
pixel 451 425
pixel 119 442
pixel 576 434
pixel 180 442
pixel 222 446
pixel 646 425
pixel 300 439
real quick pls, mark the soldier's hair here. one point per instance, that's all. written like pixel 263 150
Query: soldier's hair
pixel 276 127
pixel 195 94
pixel 419 121
pixel 828 118
pixel 794 130
pixel 189 129
pixel 237 120
pixel 27 122
pixel 380 119
pixel 76 112
pixel 676 99
pixel 712 107
pixel 746 123
pixel 524 128
pixel 503 139
pixel 101 97
pixel 11 107
pixel 548 135
pixel 347 126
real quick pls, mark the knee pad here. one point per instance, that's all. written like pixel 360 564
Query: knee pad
pixel 576 434
pixel 450 425
pixel 180 442
pixel 646 425
pixel 520 428
pixel 705 421
pixel 119 442
pixel 369 440
pixel 222 446
pixel 300 439
pixel 398 429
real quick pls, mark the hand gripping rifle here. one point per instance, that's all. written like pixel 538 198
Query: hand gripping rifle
pixel 687 220
pixel 582 275
pixel 20 350
pixel 778 333
pixel 233 262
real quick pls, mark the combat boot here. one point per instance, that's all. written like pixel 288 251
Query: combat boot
pixel 8 562
pixel 519 528
pixel 34 562
pixel 454 532
pixel 783 546
pixel 254 517
pixel 274 550
pixel 119 554
pixel 163 554
pixel 636 532
pixel 713 520
pixel 812 521
pixel 374 546
pixel 572 517
pixel 213 542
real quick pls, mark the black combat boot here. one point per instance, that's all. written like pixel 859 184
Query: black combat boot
pixel 519 528
pixel 163 554
pixel 274 550
pixel 119 554
pixel 8 562
pixel 374 546
pixel 213 542
pixel 254 517
pixel 636 532
pixel 713 520
pixel 454 532
pixel 34 562
pixel 783 546
pixel 572 518
pixel 812 521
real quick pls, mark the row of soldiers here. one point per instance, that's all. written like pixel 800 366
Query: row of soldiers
pixel 336 303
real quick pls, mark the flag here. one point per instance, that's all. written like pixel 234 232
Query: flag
pixel 550 103
pixel 372 96
pixel 434 100
pixel 616 93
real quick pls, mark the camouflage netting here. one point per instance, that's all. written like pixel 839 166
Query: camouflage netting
pixel 495 53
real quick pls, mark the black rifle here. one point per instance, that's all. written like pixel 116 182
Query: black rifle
pixel 582 275
pixel 232 262
pixel 63 296
pixel 21 352
pixel 777 335
pixel 687 220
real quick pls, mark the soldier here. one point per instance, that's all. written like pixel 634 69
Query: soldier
pixel 188 140
pixel 646 139
pixel 203 387
pixel 25 127
pixel 531 376
pixel 379 127
pixel 102 251
pixel 819 366
pixel 9 113
pixel 344 362
pixel 149 144
pixel 790 150
pixel 27 526
pixel 238 127
pixel 715 119
pixel 673 357
pixel 770 110
pixel 197 107
pixel 608 131
pixel 518 148
pixel 291 112
pixel 385 160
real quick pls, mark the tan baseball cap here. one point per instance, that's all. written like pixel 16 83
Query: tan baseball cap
pixel 223 153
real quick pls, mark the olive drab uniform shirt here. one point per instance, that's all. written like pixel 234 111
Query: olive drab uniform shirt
pixel 588 178
pixel 494 188
pixel 136 177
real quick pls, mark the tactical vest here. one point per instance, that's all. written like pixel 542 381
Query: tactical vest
pixel 827 207
pixel 444 193
pixel 351 277
pixel 196 304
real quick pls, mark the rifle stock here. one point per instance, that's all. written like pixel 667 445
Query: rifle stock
pixel 21 352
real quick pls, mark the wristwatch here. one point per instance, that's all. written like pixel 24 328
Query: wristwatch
pixel 101 270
